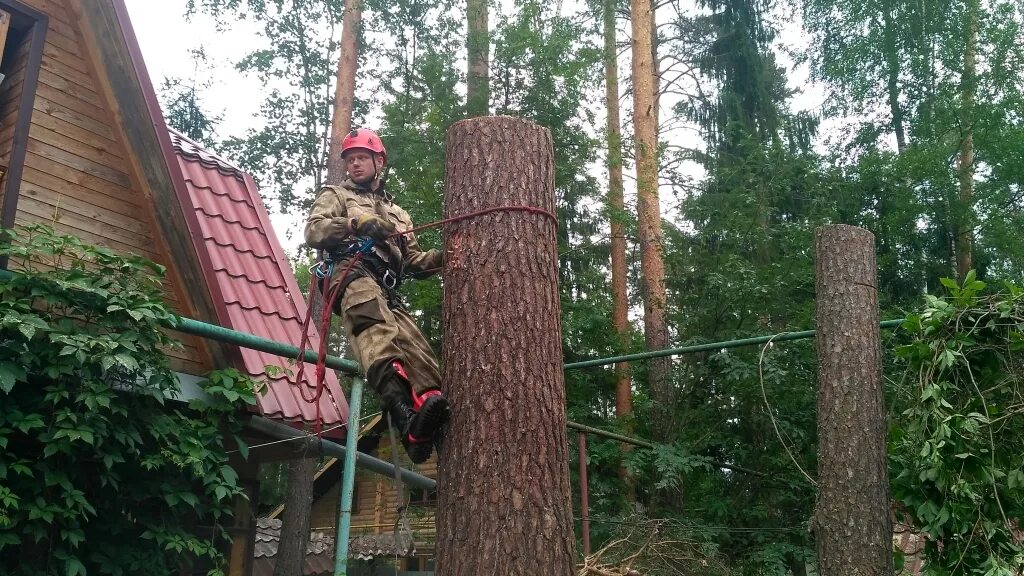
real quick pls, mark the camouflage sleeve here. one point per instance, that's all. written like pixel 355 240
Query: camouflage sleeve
pixel 418 262
pixel 328 223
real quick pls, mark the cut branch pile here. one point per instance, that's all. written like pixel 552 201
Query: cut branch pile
pixel 646 547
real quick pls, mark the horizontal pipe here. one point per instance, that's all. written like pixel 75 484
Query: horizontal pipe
pixel 711 346
pixel 215 332
pixel 245 340
pixel 206 330
pixel 284 432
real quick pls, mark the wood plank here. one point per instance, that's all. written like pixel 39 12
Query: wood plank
pixel 73 103
pixel 101 129
pixel 187 365
pixel 122 208
pixel 9 106
pixel 62 69
pixel 55 9
pixel 14 77
pixel 85 137
pixel 67 43
pixel 76 177
pixel 70 88
pixel 88 207
pixel 66 227
pixel 54 176
pixel 69 58
pixel 94 151
pixel 59 214
pixel 72 160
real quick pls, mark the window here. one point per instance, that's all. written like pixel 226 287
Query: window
pixel 22 33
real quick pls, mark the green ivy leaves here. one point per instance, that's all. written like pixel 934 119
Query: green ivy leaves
pixel 101 472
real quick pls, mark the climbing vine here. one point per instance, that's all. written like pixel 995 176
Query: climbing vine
pixel 956 455
pixel 102 470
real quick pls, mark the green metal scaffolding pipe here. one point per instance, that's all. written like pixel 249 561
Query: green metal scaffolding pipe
pixel 711 346
pixel 214 332
pixel 206 330
pixel 281 431
pixel 348 480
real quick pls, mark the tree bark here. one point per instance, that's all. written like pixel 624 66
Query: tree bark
pixel 504 498
pixel 851 522
pixel 478 83
pixel 649 211
pixel 892 60
pixel 298 502
pixel 617 216
pixel 344 89
pixel 968 87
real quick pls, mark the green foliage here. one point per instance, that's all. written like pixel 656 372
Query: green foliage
pixel 183 106
pixel 103 472
pixel 287 155
pixel 957 465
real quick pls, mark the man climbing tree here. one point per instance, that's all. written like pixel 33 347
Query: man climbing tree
pixel 369 242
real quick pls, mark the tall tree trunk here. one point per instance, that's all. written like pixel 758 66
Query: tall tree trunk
pixel 655 71
pixel 478 83
pixel 617 215
pixel 649 211
pixel 968 88
pixel 503 484
pixel 851 523
pixel 344 89
pixel 298 503
pixel 892 60
pixel 299 495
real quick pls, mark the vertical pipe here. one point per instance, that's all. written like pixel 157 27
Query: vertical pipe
pixel 348 479
pixel 584 495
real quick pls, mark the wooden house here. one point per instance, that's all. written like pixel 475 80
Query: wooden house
pixel 376 533
pixel 84 147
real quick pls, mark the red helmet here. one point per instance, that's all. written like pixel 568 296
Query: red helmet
pixel 363 138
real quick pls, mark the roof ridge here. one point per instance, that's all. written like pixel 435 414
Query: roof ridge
pixel 195 151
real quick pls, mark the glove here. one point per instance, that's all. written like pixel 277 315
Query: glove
pixel 373 226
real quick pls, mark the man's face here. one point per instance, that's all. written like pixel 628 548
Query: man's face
pixel 362 165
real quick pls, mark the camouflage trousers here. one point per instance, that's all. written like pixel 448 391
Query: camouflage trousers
pixel 379 335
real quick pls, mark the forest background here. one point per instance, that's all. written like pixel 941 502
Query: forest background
pixel 924 104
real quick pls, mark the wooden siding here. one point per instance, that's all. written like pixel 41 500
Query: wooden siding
pixel 77 175
pixel 374 505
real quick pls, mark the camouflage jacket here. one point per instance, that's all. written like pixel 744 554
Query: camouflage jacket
pixel 329 227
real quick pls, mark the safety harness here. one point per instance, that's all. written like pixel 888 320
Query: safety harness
pixel 370 265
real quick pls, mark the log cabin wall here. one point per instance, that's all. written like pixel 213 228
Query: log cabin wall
pixel 78 175
pixel 374 504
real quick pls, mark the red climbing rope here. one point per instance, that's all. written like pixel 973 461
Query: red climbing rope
pixel 324 325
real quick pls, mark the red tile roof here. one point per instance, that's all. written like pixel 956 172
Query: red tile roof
pixel 260 291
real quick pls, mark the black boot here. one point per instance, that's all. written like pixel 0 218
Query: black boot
pixel 417 428
pixel 432 414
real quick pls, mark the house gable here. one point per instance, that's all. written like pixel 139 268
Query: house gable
pixel 95 164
